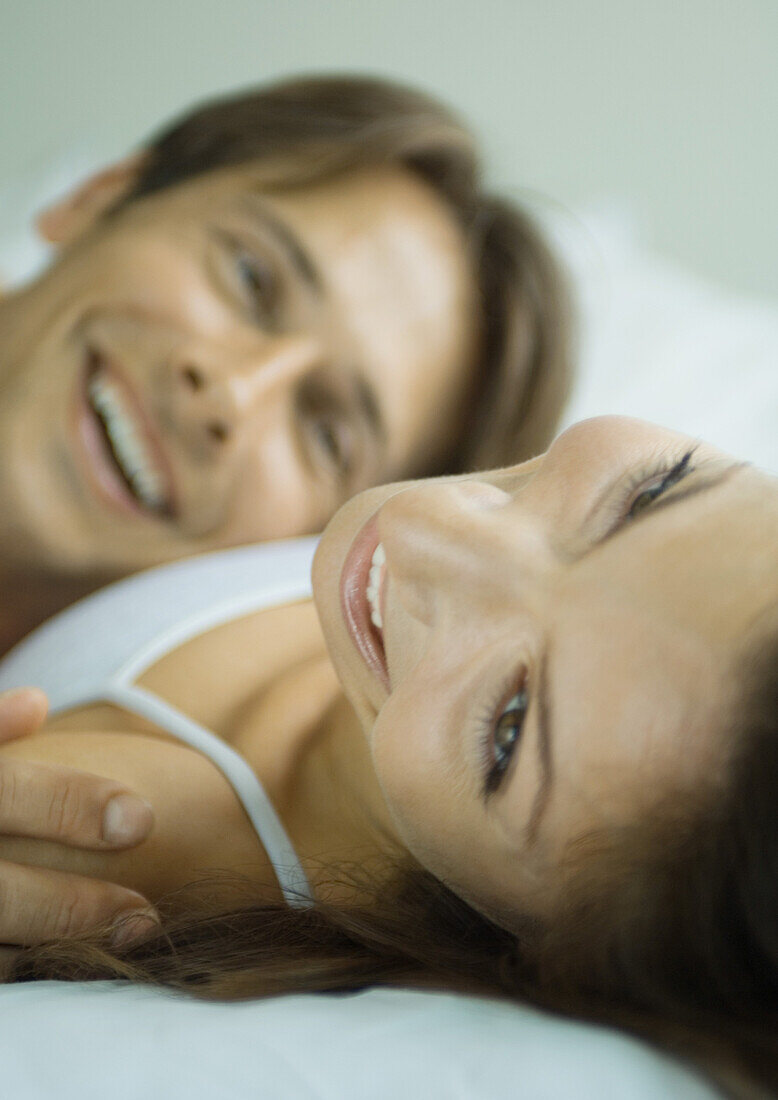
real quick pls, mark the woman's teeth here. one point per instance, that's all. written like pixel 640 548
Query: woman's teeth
pixel 374 586
pixel 127 443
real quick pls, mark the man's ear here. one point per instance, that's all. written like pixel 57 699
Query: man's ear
pixel 69 217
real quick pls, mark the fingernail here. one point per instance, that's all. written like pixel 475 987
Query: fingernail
pixel 127 819
pixel 133 925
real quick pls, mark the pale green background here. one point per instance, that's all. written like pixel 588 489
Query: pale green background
pixel 671 104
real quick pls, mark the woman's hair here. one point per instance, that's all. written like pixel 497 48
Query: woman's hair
pixel 317 127
pixel 669 928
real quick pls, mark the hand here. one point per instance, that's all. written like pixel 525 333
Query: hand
pixel 71 808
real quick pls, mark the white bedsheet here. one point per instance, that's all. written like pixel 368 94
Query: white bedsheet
pixel 125 1043
pixel 658 343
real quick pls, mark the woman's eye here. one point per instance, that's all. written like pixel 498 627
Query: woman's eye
pixel 645 499
pixel 503 739
pixel 258 282
pixel 647 496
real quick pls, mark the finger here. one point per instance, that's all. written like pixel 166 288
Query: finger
pixel 22 711
pixel 37 906
pixel 52 802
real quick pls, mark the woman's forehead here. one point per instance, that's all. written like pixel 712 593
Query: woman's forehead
pixel 705 566
pixel 644 648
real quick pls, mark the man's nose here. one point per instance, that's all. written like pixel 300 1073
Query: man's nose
pixel 454 541
pixel 214 389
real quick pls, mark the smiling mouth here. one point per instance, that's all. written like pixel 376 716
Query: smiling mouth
pixel 361 587
pixel 124 440
pixel 374 583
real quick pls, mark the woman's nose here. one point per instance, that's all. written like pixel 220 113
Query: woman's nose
pixel 215 391
pixel 454 541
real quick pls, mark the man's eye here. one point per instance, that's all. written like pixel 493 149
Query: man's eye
pixel 258 282
pixel 333 440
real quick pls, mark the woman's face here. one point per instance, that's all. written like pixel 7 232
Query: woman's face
pixel 557 643
pixel 223 363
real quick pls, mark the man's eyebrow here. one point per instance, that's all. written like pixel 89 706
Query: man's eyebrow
pixel 544 749
pixel 298 257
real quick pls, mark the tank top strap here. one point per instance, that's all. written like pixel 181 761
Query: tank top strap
pixel 95 650
pixel 261 812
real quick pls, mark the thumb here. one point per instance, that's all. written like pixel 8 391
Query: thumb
pixel 22 711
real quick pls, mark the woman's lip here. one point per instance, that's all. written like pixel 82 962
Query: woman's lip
pixel 354 603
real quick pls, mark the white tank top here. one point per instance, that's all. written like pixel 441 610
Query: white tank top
pixel 95 650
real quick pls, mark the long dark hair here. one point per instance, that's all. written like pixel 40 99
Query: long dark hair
pixel 669 928
pixel 319 126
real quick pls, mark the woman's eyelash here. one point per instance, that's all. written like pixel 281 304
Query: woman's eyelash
pixel 670 475
pixel 501 735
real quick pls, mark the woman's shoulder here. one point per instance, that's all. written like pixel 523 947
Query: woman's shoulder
pixel 126 627
pixel 200 825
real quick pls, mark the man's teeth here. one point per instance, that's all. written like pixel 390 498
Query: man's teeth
pixel 127 443
pixel 374 586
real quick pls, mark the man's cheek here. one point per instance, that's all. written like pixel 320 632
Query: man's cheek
pixel 169 279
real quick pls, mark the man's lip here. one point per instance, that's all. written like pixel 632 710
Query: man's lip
pixel 354 604
pixel 103 475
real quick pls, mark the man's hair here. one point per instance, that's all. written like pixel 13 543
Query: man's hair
pixel 312 128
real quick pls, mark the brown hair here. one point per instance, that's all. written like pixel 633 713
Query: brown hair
pixel 669 928
pixel 319 126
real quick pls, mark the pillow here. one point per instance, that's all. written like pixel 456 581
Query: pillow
pixel 91 1041
pixel 659 343
pixel 22 252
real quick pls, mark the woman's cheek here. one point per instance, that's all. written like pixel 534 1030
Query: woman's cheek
pixel 405 639
pixel 418 778
pixel 404 767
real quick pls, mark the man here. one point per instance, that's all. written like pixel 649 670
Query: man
pixel 70 808
pixel 284 298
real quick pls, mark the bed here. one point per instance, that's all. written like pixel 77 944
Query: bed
pixel 655 342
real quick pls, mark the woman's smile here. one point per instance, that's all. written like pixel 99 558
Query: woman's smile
pixel 361 583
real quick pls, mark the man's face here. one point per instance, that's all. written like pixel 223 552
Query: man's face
pixel 222 363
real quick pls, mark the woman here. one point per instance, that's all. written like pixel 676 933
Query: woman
pixel 550 773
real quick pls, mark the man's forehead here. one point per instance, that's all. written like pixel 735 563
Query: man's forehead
pixel 290 183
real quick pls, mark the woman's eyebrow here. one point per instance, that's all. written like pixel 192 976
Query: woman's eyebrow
pixel 543 743
pixel 700 484
pixel 691 486
pixel 544 738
